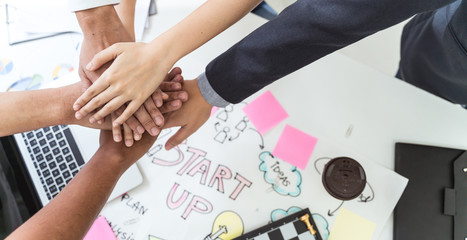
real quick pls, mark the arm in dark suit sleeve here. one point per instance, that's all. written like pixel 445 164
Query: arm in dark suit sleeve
pixel 304 32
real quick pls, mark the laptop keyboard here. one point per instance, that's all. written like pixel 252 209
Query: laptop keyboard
pixel 55 156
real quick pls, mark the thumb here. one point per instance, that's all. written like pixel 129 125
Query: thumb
pixel 105 56
pixel 180 136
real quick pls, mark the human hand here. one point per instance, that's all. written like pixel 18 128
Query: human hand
pixel 191 116
pixel 172 85
pixel 101 28
pixel 173 98
pixel 133 76
pixel 124 156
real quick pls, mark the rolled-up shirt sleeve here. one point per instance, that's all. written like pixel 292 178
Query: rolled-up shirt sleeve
pixel 209 94
pixel 78 5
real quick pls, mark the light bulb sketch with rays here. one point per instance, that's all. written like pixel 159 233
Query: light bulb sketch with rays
pixel 226 226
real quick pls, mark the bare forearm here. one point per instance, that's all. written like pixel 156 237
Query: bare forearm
pixel 126 12
pixel 96 21
pixel 70 214
pixel 102 26
pixel 203 24
pixel 28 110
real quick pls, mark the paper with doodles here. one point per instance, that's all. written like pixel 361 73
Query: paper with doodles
pixel 227 166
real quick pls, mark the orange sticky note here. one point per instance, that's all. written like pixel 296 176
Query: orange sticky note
pixel 100 230
pixel 295 147
pixel 265 112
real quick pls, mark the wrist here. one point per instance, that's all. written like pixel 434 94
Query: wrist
pixel 111 159
pixel 66 97
pixel 196 94
pixel 165 46
pixel 208 92
pixel 98 23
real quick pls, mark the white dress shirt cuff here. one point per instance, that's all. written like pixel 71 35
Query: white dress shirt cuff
pixel 78 5
pixel 209 93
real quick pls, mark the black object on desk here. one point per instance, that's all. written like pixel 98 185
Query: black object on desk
pixel 434 204
pixel 344 178
pixel 18 201
pixel 299 225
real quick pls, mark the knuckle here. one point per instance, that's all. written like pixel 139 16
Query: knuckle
pixel 97 101
pixel 91 92
pixel 133 108
pixel 108 79
pixel 107 109
pixel 132 122
pixel 175 142
pixel 148 122
pixel 125 116
pixel 119 111
pixel 85 110
pixel 140 112
pixel 133 126
pixel 154 112
pixel 120 90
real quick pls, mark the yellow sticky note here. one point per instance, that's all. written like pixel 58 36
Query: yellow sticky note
pixel 151 237
pixel 351 226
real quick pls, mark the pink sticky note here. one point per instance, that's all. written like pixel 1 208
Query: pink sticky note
pixel 214 110
pixel 100 230
pixel 295 147
pixel 265 112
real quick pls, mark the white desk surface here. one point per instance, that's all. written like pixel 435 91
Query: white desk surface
pixel 336 93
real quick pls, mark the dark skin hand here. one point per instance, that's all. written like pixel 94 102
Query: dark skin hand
pixel 102 27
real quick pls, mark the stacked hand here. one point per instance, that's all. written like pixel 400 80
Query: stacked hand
pixel 130 89
pixel 133 76
pixel 174 97
pixel 191 116
pixel 148 116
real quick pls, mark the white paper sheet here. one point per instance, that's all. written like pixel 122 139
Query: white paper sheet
pixel 182 197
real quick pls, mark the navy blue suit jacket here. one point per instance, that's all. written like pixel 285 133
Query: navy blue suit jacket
pixel 301 34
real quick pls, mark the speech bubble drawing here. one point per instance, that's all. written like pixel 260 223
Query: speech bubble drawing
pixel 284 178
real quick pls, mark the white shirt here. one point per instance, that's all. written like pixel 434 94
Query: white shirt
pixel 78 5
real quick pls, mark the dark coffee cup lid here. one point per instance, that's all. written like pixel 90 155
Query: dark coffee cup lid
pixel 344 178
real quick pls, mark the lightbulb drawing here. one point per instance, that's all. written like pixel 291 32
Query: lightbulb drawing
pixel 226 226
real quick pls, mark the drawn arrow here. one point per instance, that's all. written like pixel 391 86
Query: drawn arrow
pixel 332 213
pixel 216 125
pixel 261 146
pixel 370 198
pixel 231 139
